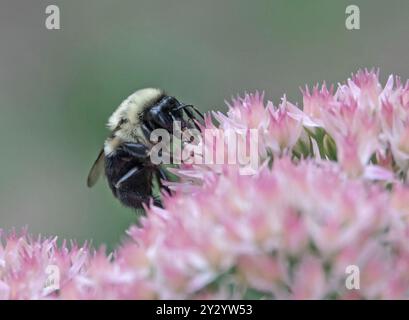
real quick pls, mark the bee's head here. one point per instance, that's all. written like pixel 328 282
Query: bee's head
pixel 164 114
pixel 168 113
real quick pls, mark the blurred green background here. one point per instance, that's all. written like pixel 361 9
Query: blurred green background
pixel 57 88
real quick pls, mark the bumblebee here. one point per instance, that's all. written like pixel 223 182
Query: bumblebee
pixel 125 158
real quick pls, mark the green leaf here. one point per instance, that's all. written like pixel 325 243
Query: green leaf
pixel 330 148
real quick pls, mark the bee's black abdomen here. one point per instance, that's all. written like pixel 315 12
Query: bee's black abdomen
pixel 129 177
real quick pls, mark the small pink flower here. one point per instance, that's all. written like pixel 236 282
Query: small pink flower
pixel 283 130
pixel 365 88
pixel 317 100
pixel 248 112
pixel 262 272
pixel 309 280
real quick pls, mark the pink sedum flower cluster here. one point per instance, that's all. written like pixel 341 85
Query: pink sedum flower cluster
pixel 368 123
pixel 329 195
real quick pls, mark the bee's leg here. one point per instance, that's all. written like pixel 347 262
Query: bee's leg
pixel 129 174
pixel 161 175
pixel 196 110
pixel 136 150
pixel 147 131
pixel 192 117
pixel 157 202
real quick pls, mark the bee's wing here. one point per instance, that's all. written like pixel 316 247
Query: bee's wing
pixel 96 170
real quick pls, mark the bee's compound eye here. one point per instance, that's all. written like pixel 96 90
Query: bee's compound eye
pixel 159 118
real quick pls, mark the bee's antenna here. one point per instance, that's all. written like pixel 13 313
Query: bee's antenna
pixel 183 106
pixel 193 107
